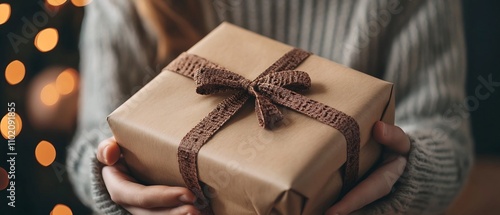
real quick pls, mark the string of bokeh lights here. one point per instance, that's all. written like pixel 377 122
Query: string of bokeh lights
pixel 64 84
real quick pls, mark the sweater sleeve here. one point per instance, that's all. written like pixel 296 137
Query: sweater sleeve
pixel 115 56
pixel 426 61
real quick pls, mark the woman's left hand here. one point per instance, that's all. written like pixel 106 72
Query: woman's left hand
pixel 380 182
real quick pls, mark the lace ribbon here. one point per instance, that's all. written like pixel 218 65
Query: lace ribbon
pixel 276 85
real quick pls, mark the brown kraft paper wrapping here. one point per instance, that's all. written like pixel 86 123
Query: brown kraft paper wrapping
pixel 294 168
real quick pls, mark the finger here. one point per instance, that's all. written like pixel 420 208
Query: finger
pixel 124 191
pixel 393 137
pixel 108 151
pixel 182 210
pixel 375 186
pixel 122 167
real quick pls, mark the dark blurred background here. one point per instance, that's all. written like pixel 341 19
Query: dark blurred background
pixel 43 37
pixel 482 31
pixel 47 109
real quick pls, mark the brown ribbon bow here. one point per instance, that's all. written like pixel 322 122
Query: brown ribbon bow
pixel 214 80
pixel 274 85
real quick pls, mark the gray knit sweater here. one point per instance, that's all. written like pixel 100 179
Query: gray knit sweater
pixel 418 45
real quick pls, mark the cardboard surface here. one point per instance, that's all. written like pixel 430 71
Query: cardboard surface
pixel 293 169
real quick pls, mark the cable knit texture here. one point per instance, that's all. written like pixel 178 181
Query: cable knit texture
pixel 100 194
pixel 418 45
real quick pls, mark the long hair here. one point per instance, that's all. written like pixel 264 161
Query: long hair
pixel 177 24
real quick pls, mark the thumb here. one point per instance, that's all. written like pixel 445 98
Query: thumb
pixel 391 136
pixel 108 151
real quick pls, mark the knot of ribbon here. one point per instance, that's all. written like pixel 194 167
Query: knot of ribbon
pixel 214 80
pixel 276 85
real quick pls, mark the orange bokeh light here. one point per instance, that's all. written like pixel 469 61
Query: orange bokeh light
pixel 4 12
pixel 56 2
pixel 14 72
pixel 17 125
pixel 80 3
pixel 46 39
pixel 49 95
pixel 61 209
pixel 4 179
pixel 66 81
pixel 45 153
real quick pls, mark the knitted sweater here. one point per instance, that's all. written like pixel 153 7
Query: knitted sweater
pixel 418 45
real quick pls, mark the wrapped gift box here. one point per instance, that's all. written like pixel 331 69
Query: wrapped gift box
pixel 294 168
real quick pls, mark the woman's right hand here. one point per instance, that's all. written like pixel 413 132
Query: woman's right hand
pixel 137 198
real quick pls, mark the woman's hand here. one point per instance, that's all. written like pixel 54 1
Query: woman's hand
pixel 379 183
pixel 137 198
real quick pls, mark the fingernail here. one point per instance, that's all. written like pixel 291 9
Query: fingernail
pixel 104 152
pixel 186 199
